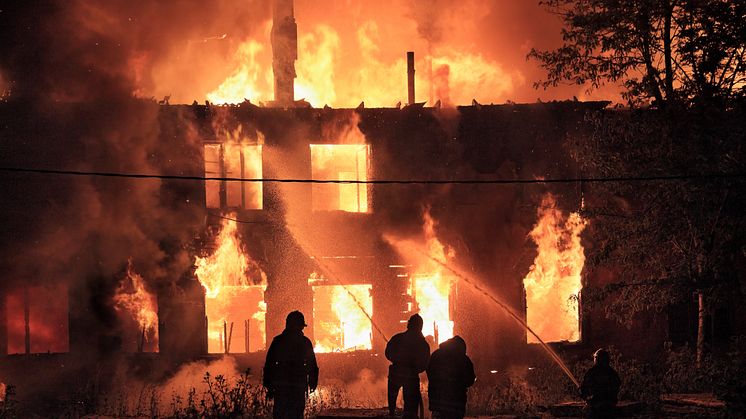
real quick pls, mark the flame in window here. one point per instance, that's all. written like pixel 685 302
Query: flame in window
pixel 553 283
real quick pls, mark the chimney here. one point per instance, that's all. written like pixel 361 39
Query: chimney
pixel 284 51
pixel 410 76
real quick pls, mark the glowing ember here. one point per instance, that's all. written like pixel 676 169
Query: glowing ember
pixel 234 295
pixel 553 282
pixel 338 321
pixel 134 299
pixel 4 91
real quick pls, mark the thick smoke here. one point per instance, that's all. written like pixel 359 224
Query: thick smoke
pixel 439 21
pixel 74 69
pixel 73 50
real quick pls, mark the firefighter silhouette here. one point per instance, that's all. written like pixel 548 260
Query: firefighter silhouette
pixel 600 387
pixel 290 370
pixel 409 353
pixel 450 373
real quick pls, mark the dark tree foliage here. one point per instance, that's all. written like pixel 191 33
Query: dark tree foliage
pixel 665 240
pixel 685 51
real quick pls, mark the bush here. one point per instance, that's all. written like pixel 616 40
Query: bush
pixel 223 400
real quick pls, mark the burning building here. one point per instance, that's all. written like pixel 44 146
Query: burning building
pixel 357 217
pixel 357 257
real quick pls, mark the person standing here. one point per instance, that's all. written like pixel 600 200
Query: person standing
pixel 290 370
pixel 450 373
pixel 600 387
pixel 409 353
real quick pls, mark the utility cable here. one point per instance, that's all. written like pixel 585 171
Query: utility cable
pixel 612 179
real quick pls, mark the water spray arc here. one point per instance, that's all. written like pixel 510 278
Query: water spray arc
pixel 468 280
pixel 294 230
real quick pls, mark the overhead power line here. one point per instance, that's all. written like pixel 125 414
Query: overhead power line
pixel 651 178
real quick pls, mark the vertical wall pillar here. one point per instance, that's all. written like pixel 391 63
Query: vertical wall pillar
pixel 700 328
pixel 410 76
pixel 3 324
pixel 247 336
pixel 284 51
pixel 223 174
pixel 27 319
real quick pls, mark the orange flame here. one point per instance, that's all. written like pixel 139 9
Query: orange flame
pixel 133 298
pixel 340 325
pixel 449 75
pixel 231 297
pixel 431 287
pixel 251 79
pixel 317 59
pixel 553 283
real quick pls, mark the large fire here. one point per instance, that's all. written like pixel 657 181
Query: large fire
pixel 234 295
pixel 431 286
pixel 133 299
pixel 340 317
pixel 449 75
pixel 249 80
pixel 553 282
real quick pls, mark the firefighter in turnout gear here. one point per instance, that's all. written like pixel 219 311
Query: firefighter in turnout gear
pixel 450 373
pixel 409 353
pixel 290 370
pixel 600 387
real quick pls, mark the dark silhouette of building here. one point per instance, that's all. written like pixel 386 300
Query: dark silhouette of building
pixel 284 51
pixel 290 370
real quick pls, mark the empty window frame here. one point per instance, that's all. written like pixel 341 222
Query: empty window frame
pixel 229 160
pixel 236 319
pixel 345 162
